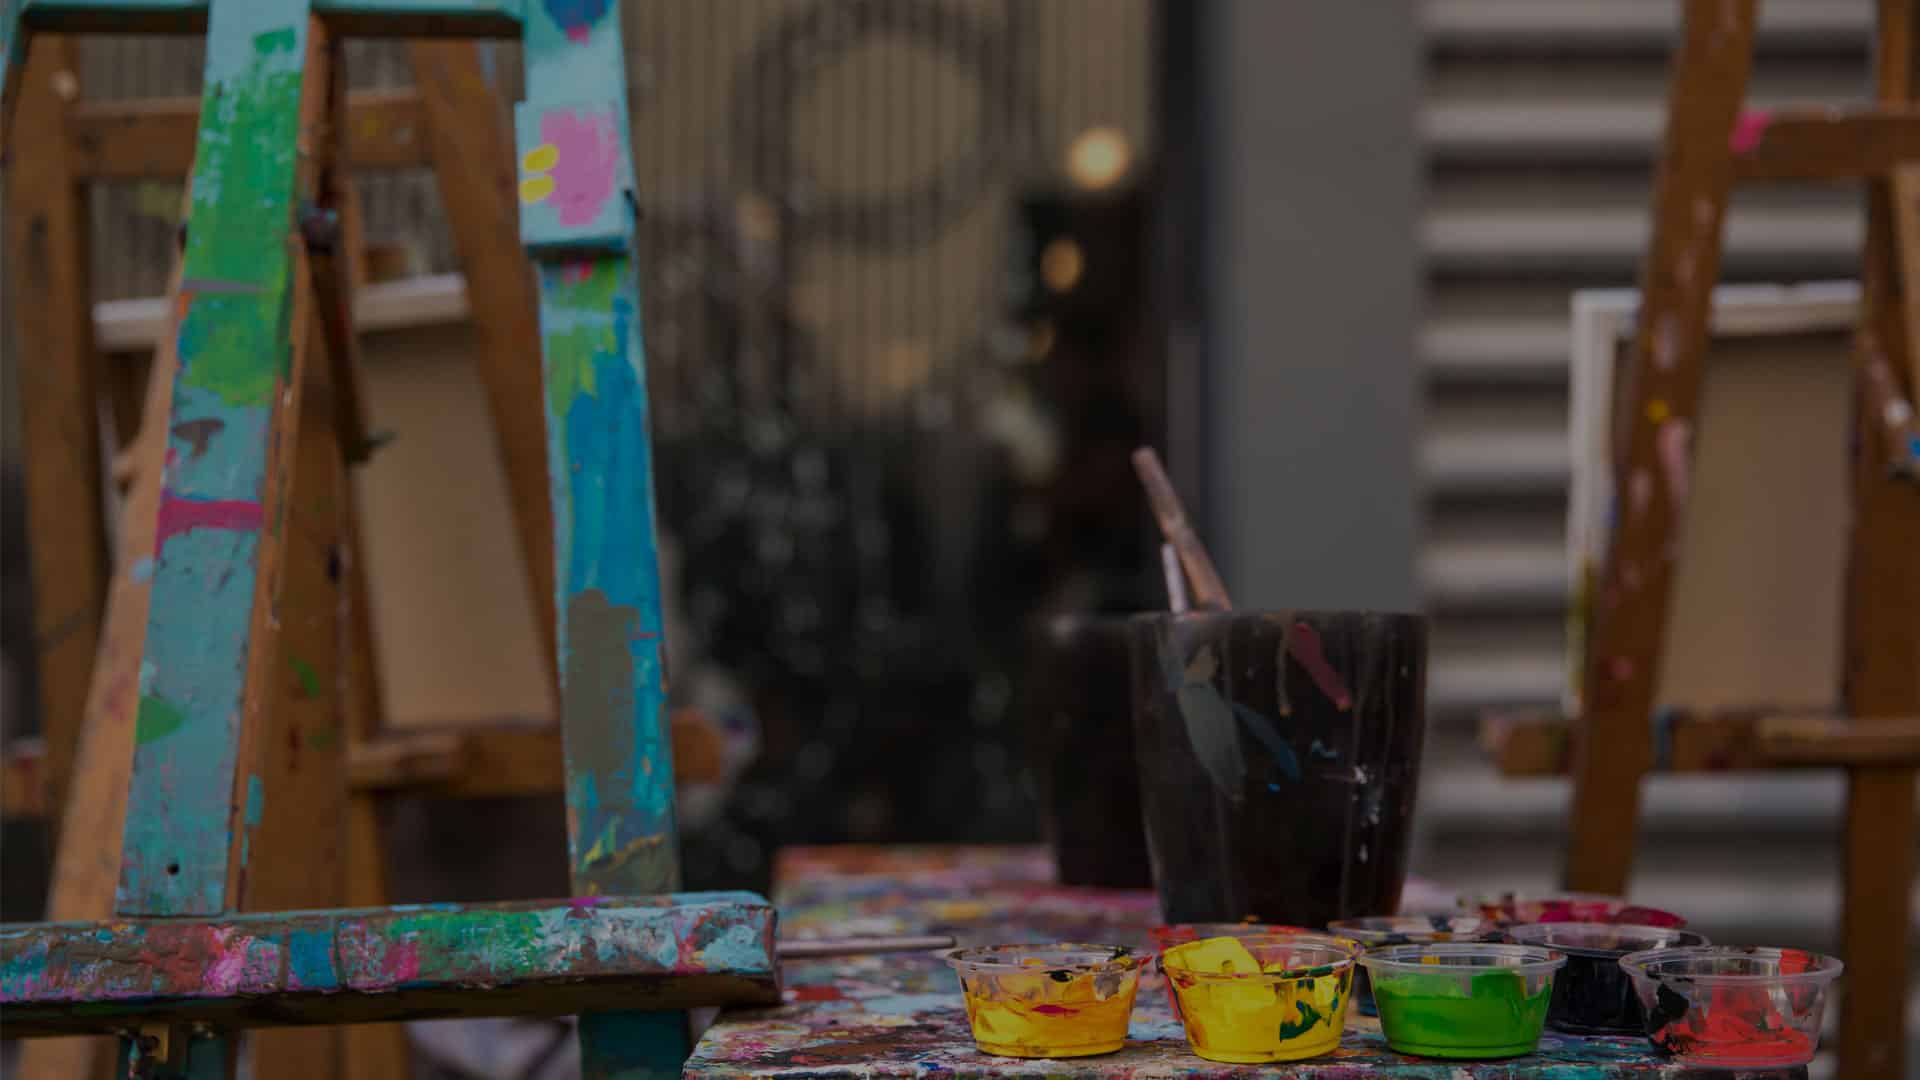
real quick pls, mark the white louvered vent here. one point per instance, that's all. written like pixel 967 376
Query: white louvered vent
pixel 1540 121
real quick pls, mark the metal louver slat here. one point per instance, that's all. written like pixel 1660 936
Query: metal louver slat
pixel 1617 24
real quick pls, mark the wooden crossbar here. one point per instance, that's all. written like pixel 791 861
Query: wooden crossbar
pixel 376 964
pixel 1825 144
pixel 153 139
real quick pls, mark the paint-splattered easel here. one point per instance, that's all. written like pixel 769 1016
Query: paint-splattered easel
pixel 1710 145
pixel 248 527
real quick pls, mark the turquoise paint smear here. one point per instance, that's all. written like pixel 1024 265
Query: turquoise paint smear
pixel 739 947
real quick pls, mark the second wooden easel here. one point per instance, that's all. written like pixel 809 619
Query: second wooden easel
pixel 1710 145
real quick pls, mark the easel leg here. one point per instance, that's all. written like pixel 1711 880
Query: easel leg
pixel 213 666
pixel 473 158
pixel 1615 750
pixel 87 862
pixel 1883 633
pixel 53 314
pixel 300 865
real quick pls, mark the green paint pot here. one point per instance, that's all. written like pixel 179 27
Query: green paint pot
pixel 1462 1000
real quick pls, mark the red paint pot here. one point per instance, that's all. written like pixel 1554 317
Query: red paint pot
pixel 1733 1007
pixel 1566 908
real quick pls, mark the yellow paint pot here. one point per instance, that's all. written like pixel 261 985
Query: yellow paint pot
pixel 1048 1001
pixel 1275 997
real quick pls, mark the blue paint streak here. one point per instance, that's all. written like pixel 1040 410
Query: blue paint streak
pixel 310 958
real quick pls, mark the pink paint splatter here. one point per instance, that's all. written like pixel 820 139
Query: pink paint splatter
pixel 224 974
pixel 586 164
pixel 1748 129
pixel 180 514
pixel 1639 492
pixel 1674 441
pixel 1303 644
pixel 1055 1010
pixel 1666 342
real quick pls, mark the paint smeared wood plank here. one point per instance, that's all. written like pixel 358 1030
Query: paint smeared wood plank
pixel 331 967
pixel 46 261
pixel 574 191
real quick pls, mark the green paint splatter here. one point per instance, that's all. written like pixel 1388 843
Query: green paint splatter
pixel 273 41
pixel 321 739
pixel 570 357
pixel 233 343
pixel 309 679
pixel 156 720
pixel 1291 1029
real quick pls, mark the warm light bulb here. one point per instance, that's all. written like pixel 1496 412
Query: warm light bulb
pixel 1061 264
pixel 1098 158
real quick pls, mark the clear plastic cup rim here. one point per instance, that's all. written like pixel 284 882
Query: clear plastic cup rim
pixel 1411 959
pixel 1340 955
pixel 1006 959
pixel 1542 936
pixel 1647 964
pixel 1412 928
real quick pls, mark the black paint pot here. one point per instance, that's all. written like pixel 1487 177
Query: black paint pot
pixel 1593 995
pixel 1278 757
pixel 1080 749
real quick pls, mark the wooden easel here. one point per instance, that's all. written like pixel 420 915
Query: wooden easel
pixel 251 590
pixel 1711 145
pixel 453 123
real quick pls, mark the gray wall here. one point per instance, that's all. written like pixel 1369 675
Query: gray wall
pixel 1313 279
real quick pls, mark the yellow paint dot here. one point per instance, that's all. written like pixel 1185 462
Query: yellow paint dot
pixel 1657 410
pixel 541 158
pixel 535 188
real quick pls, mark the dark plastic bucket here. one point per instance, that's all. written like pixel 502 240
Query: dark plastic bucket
pixel 1278 758
pixel 1079 727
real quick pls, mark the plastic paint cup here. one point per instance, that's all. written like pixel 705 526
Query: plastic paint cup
pixel 1566 907
pixel 1730 1007
pixel 1166 937
pixel 1274 997
pixel 1380 931
pixel 1592 995
pixel 1048 1001
pixel 1462 1000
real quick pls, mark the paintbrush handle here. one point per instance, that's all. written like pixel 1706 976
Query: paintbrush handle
pixel 858 946
pixel 1176 580
pixel 1209 592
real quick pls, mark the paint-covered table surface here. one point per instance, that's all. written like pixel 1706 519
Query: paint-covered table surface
pixel 901 1015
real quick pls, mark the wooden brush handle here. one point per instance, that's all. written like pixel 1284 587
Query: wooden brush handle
pixel 1209 592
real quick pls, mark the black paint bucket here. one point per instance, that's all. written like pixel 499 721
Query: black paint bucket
pixel 1080 748
pixel 1593 995
pixel 1278 759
